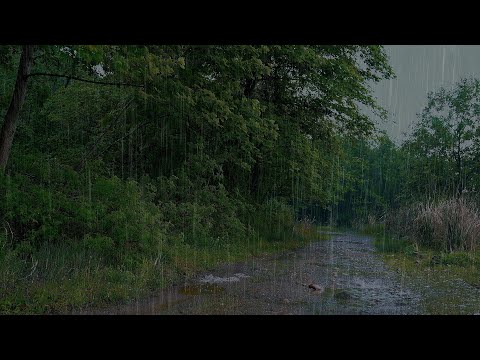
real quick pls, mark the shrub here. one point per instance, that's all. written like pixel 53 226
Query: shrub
pixel 201 215
pixel 274 220
pixel 59 205
pixel 102 245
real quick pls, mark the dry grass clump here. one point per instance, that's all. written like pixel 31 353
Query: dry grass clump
pixel 450 225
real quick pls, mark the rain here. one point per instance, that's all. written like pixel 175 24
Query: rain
pixel 239 179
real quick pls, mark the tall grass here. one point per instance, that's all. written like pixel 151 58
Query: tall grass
pixel 449 225
pixel 400 221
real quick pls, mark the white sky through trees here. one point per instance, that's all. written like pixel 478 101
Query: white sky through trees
pixel 420 69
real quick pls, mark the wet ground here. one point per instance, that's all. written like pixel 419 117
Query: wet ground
pixel 352 275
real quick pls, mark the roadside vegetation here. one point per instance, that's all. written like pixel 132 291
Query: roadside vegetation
pixel 124 169
pixel 419 199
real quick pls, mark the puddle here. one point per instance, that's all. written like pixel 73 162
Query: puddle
pixel 354 278
pixel 201 289
pixel 211 279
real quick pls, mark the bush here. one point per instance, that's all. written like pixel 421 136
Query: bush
pixel 202 215
pixel 75 237
pixel 59 205
pixel 273 220
pixel 102 245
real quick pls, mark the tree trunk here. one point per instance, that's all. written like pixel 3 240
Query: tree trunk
pixel 11 118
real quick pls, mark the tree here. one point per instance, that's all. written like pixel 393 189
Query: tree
pixel 260 121
pixel 11 118
pixel 444 144
pixel 79 59
pixel 374 174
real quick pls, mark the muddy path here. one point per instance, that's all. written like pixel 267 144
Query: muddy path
pixel 353 275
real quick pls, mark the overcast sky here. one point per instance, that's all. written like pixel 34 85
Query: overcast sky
pixel 421 69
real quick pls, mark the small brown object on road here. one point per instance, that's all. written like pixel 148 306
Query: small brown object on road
pixel 315 287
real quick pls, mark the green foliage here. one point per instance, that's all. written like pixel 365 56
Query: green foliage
pixel 371 180
pixel 442 151
pixel 458 259
pixel 198 150
pixel 392 245
pixel 273 220
pixel 102 245
pixel 47 203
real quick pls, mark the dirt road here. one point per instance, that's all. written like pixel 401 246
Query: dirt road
pixel 353 278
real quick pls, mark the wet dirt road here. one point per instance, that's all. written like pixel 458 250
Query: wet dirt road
pixel 353 276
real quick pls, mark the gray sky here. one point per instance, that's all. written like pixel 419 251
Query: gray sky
pixel 421 69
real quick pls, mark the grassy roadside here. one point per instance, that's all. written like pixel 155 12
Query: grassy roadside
pixel 73 279
pixel 448 282
pixel 384 242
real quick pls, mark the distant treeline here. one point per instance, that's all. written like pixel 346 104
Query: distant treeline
pixel 425 189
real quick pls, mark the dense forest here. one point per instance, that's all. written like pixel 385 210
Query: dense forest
pixel 125 168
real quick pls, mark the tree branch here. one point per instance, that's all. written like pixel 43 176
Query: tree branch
pixel 139 126
pixel 113 123
pixel 69 77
